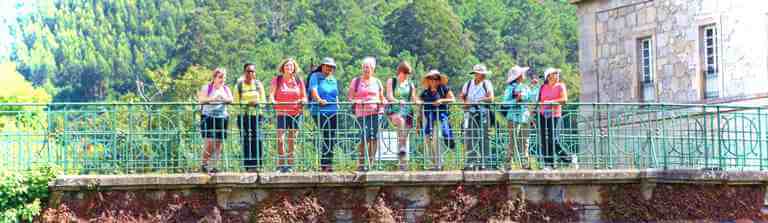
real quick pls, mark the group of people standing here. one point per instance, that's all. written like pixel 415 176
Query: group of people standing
pixel 373 99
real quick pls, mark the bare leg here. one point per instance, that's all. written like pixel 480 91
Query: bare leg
pixel 511 146
pixel 207 151
pixel 291 145
pixel 402 139
pixel 361 150
pixel 372 144
pixel 216 152
pixel 280 147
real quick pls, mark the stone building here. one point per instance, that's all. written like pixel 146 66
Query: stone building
pixel 677 51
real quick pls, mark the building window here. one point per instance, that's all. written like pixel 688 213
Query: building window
pixel 711 67
pixel 647 71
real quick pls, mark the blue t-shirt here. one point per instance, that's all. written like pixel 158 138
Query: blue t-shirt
pixel 327 89
pixel 429 96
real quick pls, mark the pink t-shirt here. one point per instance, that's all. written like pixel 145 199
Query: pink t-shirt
pixel 288 91
pixel 549 93
pixel 370 93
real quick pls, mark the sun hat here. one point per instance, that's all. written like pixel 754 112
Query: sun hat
pixel 443 77
pixel 515 72
pixel 328 61
pixel 551 70
pixel 480 69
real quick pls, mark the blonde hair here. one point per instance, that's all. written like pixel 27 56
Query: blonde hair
pixel 286 61
pixel 218 70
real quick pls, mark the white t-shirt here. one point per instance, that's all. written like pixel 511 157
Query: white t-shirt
pixel 475 93
pixel 217 110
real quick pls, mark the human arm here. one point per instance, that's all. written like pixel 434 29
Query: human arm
pixel 449 97
pixel 272 91
pixel 262 96
pixel 313 93
pixel 490 95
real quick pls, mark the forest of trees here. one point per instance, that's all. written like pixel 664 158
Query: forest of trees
pixel 161 50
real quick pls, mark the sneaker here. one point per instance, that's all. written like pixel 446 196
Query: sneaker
pixel 204 168
pixel 362 168
pixel 326 169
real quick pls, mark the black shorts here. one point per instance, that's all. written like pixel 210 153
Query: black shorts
pixel 213 128
pixel 288 122
pixel 369 127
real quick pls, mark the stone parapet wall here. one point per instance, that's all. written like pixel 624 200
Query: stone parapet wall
pixel 573 195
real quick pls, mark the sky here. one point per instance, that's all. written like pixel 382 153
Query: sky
pixel 8 12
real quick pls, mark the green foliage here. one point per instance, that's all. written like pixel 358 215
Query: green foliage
pixel 23 194
pixel 138 50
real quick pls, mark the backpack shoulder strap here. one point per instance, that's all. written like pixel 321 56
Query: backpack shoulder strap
pixel 239 86
pixel 355 84
pixel 466 90
pixel 227 90
pixel 394 84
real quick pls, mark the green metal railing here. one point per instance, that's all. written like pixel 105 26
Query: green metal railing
pixel 123 138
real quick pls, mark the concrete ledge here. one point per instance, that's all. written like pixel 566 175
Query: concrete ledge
pixel 560 177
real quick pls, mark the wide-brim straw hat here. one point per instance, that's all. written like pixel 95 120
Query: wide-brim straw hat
pixel 515 72
pixel 443 77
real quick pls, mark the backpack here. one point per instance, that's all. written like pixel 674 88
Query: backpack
pixel 296 78
pixel 491 114
pixel 466 89
pixel 239 87
pixel 210 89
pixel 504 108
pixel 356 86
pixel 394 85
pixel 306 86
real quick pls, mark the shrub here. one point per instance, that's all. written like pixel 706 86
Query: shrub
pixel 22 194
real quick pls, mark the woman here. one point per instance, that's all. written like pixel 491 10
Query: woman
pixel 400 93
pixel 367 94
pixel 214 96
pixel 324 92
pixel 517 116
pixel 435 98
pixel 476 94
pixel 552 96
pixel 288 93
pixel 251 97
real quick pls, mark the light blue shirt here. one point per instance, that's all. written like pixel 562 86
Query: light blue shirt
pixel 517 113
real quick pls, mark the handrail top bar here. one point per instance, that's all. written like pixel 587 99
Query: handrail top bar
pixel 408 103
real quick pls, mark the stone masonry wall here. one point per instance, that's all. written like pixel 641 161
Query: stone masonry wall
pixel 485 196
pixel 609 33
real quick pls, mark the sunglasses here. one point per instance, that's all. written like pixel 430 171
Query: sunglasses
pixel 250 71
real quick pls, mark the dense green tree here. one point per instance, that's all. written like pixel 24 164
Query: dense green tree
pixel 103 50
pixel 432 31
